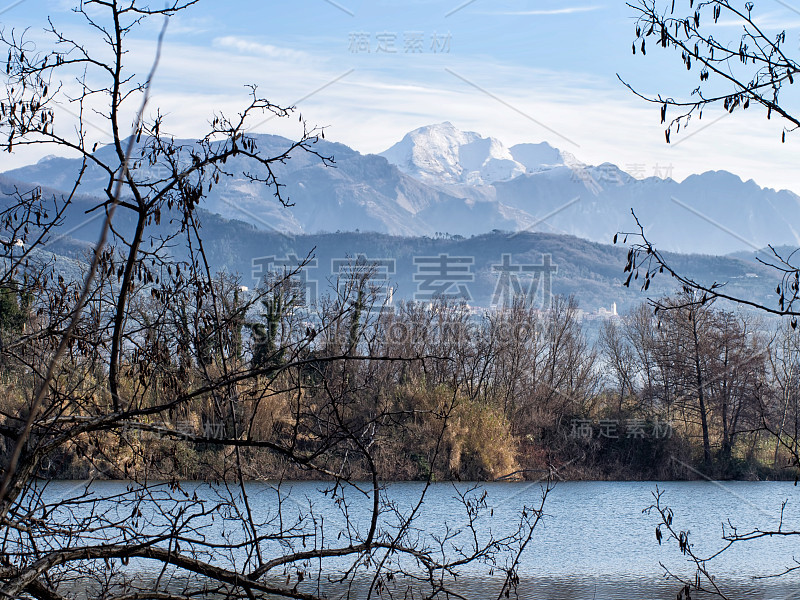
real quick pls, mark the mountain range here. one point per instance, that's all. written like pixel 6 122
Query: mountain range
pixel 439 179
pixel 441 191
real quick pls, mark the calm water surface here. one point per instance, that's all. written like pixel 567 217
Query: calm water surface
pixel 595 541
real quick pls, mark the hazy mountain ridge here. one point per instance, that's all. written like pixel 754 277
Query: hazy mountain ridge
pixel 440 179
pixel 593 272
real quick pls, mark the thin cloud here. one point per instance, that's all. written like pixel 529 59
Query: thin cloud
pixel 568 10
pixel 774 19
pixel 766 22
pixel 245 46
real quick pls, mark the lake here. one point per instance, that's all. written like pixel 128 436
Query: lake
pixel 594 540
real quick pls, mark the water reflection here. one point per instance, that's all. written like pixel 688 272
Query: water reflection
pixel 595 542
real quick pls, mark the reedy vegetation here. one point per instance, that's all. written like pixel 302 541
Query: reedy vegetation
pixel 513 384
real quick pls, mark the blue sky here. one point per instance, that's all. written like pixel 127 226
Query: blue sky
pixel 521 71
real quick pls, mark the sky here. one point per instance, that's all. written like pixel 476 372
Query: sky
pixel 369 72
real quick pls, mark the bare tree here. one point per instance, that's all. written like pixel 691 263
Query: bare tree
pixel 145 369
pixel 782 416
pixel 755 68
pixel 716 367
pixel 751 71
pixel 619 356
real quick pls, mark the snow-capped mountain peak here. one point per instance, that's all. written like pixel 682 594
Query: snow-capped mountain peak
pixel 444 154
